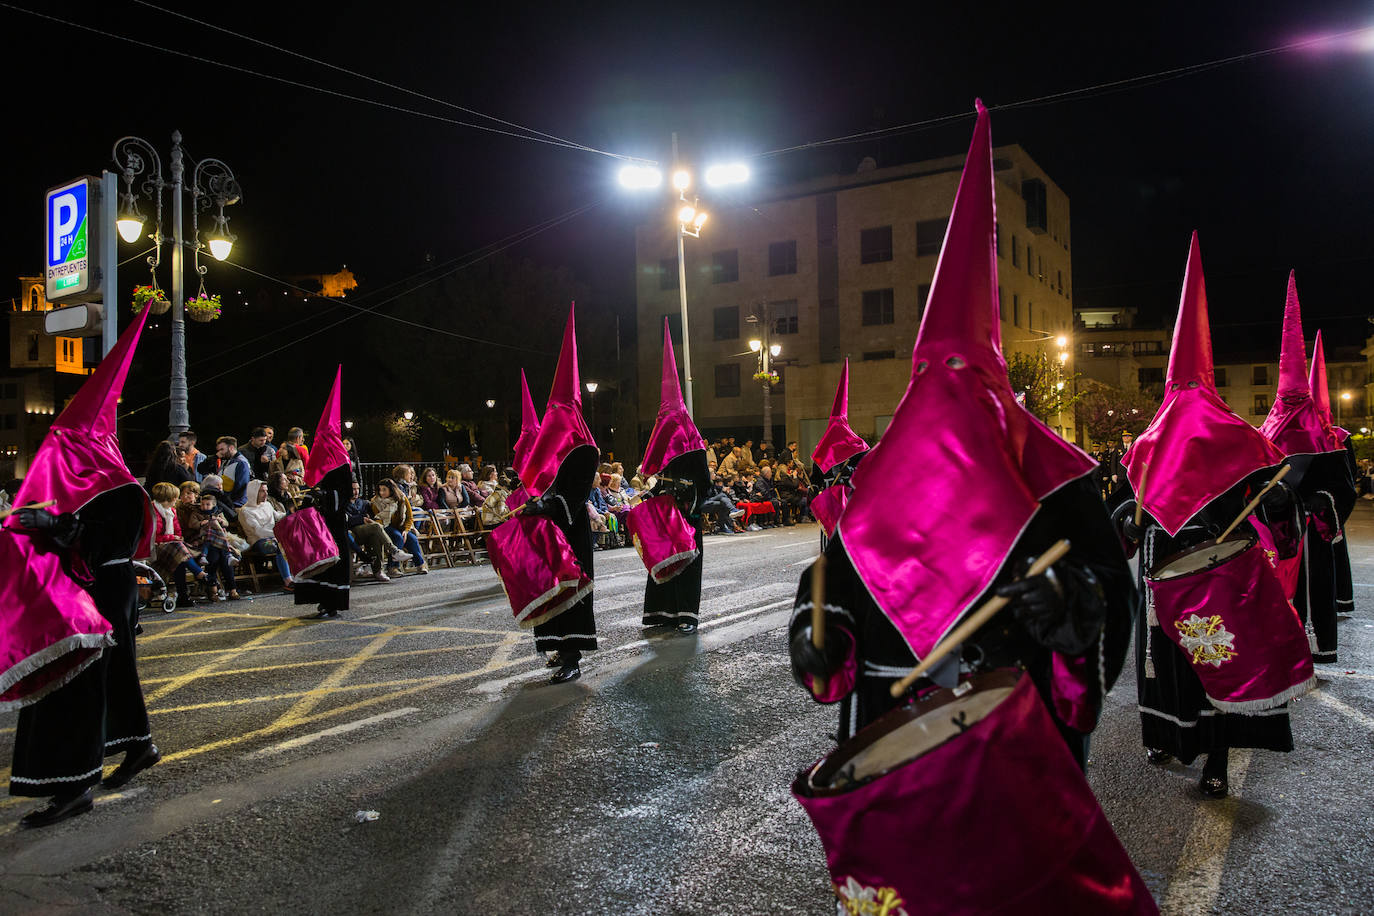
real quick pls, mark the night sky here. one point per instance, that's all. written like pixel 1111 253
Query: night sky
pixel 1267 157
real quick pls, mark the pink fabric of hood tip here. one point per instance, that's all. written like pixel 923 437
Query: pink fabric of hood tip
pixel 1196 447
pixel 675 434
pixel 928 549
pixel 839 442
pixel 1294 423
pixel 529 427
pixel 1321 395
pixel 328 452
pixel 563 429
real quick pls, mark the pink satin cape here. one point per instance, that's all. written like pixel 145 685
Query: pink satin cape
pixel 1235 626
pixel 328 452
pixel 675 434
pixel 828 507
pixel 306 542
pixel 51 627
pixel 1321 394
pixel 1294 423
pixel 973 463
pixel 839 442
pixel 538 570
pixel 666 543
pixel 563 429
pixel 1197 447
pixel 996 820
pixel 529 428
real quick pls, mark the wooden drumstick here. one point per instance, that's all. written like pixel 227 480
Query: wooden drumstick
pixel 8 512
pixel 818 618
pixel 1140 495
pixel 1250 507
pixel 977 619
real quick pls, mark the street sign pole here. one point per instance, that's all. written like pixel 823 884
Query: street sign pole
pixel 109 262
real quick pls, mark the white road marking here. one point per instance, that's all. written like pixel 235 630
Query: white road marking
pixel 1196 882
pixel 1342 708
pixel 329 732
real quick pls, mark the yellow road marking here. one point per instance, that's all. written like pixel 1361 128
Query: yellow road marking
pixel 312 699
pixel 273 646
pixel 184 679
pixel 330 661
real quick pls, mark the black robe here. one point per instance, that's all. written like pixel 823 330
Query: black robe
pixel 1175 714
pixel 575 628
pixel 1327 488
pixel 679 599
pixel 330 589
pixel 1345 586
pixel 1102 611
pixel 61 741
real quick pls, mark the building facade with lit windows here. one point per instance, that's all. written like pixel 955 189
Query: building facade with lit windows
pixel 840 266
pixel 41 373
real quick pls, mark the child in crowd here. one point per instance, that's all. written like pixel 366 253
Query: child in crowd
pixel 204 529
pixel 171 557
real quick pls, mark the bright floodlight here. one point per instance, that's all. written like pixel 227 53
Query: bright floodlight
pixel 1061 341
pixel 491 402
pixel 409 415
pixel 1063 357
pixel 727 173
pixel 686 214
pixel 220 248
pixel 348 424
pixel 755 344
pixel 1345 395
pixel 775 349
pixel 130 228
pixel 640 177
pixel 591 387
pixel 681 179
pixel 700 220
pixel 1060 386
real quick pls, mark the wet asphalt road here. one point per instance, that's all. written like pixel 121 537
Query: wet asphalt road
pixel 656 784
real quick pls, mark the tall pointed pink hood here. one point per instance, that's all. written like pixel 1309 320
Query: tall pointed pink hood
pixel 839 442
pixel 675 433
pixel 1196 447
pixel 328 452
pixel 974 464
pixel 1321 395
pixel 1294 423
pixel 563 429
pixel 529 427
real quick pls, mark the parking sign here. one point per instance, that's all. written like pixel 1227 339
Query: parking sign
pixel 72 273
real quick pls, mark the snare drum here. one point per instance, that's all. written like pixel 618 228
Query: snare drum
pixel 1225 608
pixel 666 543
pixel 538 570
pixel 306 543
pixel 829 505
pixel 967 802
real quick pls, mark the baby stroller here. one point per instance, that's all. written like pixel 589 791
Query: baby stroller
pixel 152 590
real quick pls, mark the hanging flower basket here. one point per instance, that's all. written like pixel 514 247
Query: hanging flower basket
pixel 203 308
pixel 152 298
pixel 769 377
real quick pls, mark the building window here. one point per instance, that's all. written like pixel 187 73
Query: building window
pixel 725 266
pixel 879 354
pixel 33 346
pixel 33 299
pixel 1220 374
pixel 1040 269
pixel 727 323
pixel 1030 260
pixel 922 294
pixel 11 421
pixel 1150 376
pixel 667 273
pixel 784 316
pixel 1259 375
pixel 1261 405
pixel 1016 309
pixel 1001 304
pixel 997 237
pixel 9 391
pixel 875 245
pixel 878 307
pixel 674 327
pixel 782 258
pixel 1148 347
pixel 930 233
pixel 727 380
pixel 1060 275
pixel 1015 251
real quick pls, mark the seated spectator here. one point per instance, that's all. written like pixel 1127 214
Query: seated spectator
pixel 432 500
pixel 171 557
pixel 295 480
pixel 764 491
pixel 614 494
pixel 475 497
pixel 721 507
pixel 258 453
pixel 494 510
pixel 731 463
pixel 257 519
pixel 166 466
pixel 789 499
pixel 212 485
pixel 370 536
pixel 295 437
pixel 190 455
pixel 488 481
pixel 393 510
pixel 279 491
pixel 204 531
pixel 406 484
pixel 454 494
pixel 233 469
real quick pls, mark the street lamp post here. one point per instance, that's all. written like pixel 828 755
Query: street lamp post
pixel 591 396
pixel 211 182
pixel 766 352
pixel 1345 396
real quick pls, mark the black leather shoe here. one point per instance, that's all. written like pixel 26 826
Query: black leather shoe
pixel 59 809
pixel 686 628
pixel 135 762
pixel 321 614
pixel 1158 758
pixel 1213 786
pixel 567 673
pixel 553 661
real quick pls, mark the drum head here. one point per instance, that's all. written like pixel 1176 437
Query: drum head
pixel 909 732
pixel 1204 557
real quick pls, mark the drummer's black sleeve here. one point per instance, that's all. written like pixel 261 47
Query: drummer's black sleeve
pixel 1281 511
pixel 842 633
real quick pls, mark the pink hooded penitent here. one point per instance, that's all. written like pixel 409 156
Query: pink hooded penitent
pixel 674 432
pixel 328 452
pixel 1197 447
pixel 1321 395
pixel 939 503
pixel 49 626
pixel 529 427
pixel 1295 423
pixel 839 442
pixel 563 429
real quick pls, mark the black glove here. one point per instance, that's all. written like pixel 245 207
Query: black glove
pixel 306 500
pixel 1130 530
pixel 1036 601
pixel 544 505
pixel 61 529
pixel 1278 502
pixel 807 659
